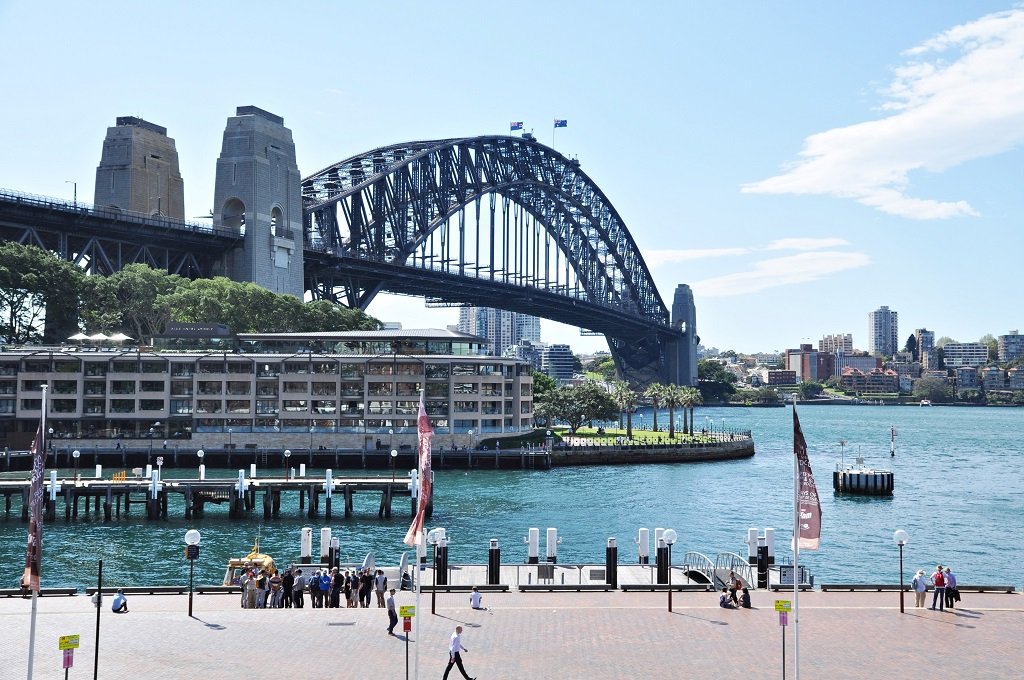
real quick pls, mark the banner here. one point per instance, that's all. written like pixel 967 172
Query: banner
pixel 34 551
pixel 808 505
pixel 424 433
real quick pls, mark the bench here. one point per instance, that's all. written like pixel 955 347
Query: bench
pixel 463 588
pixel 776 587
pixel 893 587
pixel 563 587
pixel 142 590
pixel 43 592
pixel 214 590
pixel 663 587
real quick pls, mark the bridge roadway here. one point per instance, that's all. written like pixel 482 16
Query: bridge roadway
pixel 197 493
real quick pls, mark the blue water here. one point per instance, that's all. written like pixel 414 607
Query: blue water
pixel 959 495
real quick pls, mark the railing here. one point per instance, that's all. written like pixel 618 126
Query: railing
pixel 694 561
pixel 729 561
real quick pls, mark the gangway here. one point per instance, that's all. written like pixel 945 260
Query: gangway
pixel 698 567
pixel 727 562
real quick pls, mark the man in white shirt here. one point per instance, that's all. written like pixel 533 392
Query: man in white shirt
pixel 455 649
pixel 474 598
pixel 392 614
pixel 120 603
pixel 298 585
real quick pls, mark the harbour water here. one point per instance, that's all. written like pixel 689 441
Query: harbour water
pixel 959 494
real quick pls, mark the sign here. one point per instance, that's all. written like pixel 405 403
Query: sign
pixel 159 461
pixel 407 611
pixel 783 605
pixel 407 625
pixel 69 659
pixel 67 642
pixel 783 618
pixel 191 552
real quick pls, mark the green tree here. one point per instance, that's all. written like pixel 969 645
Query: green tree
pixel 36 284
pixel 673 398
pixel 993 347
pixel 911 346
pixel 935 390
pixel 767 395
pixel 654 393
pixel 136 300
pixel 715 382
pixel 692 399
pixel 578 404
pixel 625 399
pixel 809 390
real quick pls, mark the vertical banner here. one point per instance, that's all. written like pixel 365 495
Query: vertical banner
pixel 424 433
pixel 34 550
pixel 808 505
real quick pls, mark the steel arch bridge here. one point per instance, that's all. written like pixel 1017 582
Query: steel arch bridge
pixel 490 221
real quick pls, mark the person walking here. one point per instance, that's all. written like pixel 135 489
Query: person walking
pixel 939 581
pixel 920 584
pixel 951 593
pixel 455 650
pixel 392 612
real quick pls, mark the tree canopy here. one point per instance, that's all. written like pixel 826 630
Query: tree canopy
pixel 715 382
pixel 577 404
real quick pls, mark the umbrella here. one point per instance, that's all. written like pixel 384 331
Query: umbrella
pixel 119 337
pixel 79 336
pixel 99 337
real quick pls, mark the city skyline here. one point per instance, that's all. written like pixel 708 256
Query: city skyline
pixel 797 165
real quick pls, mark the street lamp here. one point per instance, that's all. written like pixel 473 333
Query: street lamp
pixel 75 454
pixel 49 440
pixel 192 538
pixel 842 451
pixel 434 536
pixel 287 469
pixel 391 438
pixel 670 537
pixel 75 187
pixel 900 538
pixel 202 468
pixel 550 440
pixel 470 439
pixel 394 455
pixel 230 442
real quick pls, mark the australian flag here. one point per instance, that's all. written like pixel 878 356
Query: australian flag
pixel 561 122
pixel 515 125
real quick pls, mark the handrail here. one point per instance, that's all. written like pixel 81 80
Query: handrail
pixel 701 563
pixel 733 562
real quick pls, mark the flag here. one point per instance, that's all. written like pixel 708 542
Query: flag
pixel 413 537
pixel 34 551
pixel 561 122
pixel 808 505
pixel 516 125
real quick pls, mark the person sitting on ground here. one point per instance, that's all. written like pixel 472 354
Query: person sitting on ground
pixel 474 599
pixel 745 600
pixel 724 601
pixel 120 603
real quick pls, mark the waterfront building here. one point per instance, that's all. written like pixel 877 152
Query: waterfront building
pixel 861 363
pixel 1011 346
pixel 883 332
pixel 967 378
pixel 937 373
pixel 826 365
pixel 875 381
pixel 1015 378
pixel 558 362
pixel 925 346
pixel 344 389
pixel 803 362
pixel 993 378
pixel 839 342
pixel 768 358
pixel 958 354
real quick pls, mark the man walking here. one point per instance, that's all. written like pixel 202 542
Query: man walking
pixel 392 614
pixel 939 581
pixel 455 650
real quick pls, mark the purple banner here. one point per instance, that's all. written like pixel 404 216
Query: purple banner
pixel 34 551
pixel 808 505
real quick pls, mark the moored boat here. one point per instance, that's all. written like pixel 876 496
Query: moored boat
pixel 254 560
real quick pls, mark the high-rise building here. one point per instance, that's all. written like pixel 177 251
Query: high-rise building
pixel 1011 346
pixel 558 362
pixel 501 328
pixel 840 342
pixel 925 345
pixel 883 332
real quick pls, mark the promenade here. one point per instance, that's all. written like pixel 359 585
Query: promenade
pixel 589 635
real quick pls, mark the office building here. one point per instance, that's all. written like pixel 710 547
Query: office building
pixel 558 362
pixel 958 354
pixel 501 328
pixel 883 332
pixel 839 342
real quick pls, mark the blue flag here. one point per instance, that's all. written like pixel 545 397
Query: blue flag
pixel 561 122
pixel 516 125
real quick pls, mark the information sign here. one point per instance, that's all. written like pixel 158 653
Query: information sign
pixel 407 611
pixel 783 605
pixel 407 625
pixel 68 642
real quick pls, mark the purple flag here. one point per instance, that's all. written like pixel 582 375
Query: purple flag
pixel 808 505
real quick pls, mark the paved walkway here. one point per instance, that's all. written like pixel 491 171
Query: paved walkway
pixel 528 635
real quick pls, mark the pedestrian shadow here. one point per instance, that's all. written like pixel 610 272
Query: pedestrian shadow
pixel 713 622
pixel 341 623
pixel 467 624
pixel 211 626
pixel 937 620
pixel 966 613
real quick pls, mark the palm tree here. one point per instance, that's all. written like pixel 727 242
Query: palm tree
pixel 673 398
pixel 654 393
pixel 693 398
pixel 625 398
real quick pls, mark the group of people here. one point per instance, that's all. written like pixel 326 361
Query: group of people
pixel 327 588
pixel 945 593
pixel 734 594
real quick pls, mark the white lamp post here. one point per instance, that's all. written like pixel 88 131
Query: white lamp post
pixel 75 454
pixel 394 455
pixel 202 468
pixel 670 537
pixel 900 538
pixel 192 538
pixel 287 470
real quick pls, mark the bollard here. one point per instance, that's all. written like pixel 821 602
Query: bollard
pixel 493 563
pixel 441 566
pixel 335 549
pixel 769 541
pixel 658 532
pixel 202 472
pixel 752 544
pixel 762 562
pixel 53 486
pixel 532 541
pixel 551 545
pixel 306 545
pixel 643 546
pixel 302 469
pixel 661 559
pixel 99 472
pixel 252 470
pixel 328 489
pixel 611 563
pixel 149 471
pixel 325 545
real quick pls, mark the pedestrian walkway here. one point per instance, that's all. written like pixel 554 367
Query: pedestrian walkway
pixel 589 635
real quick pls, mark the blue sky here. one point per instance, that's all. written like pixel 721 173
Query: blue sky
pixel 798 163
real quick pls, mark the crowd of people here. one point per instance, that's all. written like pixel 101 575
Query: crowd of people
pixel 327 588
pixel 945 593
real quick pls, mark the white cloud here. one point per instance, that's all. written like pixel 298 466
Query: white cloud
pixel 657 258
pixel 780 271
pixel 947 109
pixel 807 243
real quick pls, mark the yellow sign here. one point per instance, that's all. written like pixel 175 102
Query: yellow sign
pixel 68 642
pixel 783 605
pixel 407 611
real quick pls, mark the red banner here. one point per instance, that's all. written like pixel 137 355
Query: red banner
pixel 808 505
pixel 34 552
pixel 424 432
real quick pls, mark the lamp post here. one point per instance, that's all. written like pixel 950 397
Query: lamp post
pixel 842 452
pixel 75 190
pixel 75 454
pixel 549 440
pixel 192 538
pixel 391 438
pixel 670 537
pixel 202 468
pixel 394 455
pixel 470 439
pixel 287 468
pixel 230 442
pixel 900 538
pixel 49 440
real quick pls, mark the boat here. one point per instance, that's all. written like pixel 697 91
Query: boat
pixel 926 402
pixel 255 559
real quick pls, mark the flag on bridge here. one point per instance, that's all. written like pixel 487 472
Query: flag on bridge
pixel 516 125
pixel 561 122
pixel 424 432
pixel 807 502
pixel 34 551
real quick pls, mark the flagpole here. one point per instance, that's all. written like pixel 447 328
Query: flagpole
pixel 38 551
pixel 796 557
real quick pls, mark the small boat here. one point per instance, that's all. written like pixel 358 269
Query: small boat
pixel 926 402
pixel 255 559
